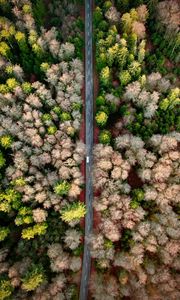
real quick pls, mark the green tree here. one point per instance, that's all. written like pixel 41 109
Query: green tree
pixel 33 278
pixel 105 76
pixel 122 57
pixel 73 212
pixel 62 188
pixel 124 77
pixel 101 61
pixel 6 288
pixel 39 12
pixel 97 16
pixel 107 5
pixel 100 100
pixel 105 137
pixel 126 22
pixel 101 118
pixel 135 69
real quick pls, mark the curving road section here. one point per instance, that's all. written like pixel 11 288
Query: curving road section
pixel 89 146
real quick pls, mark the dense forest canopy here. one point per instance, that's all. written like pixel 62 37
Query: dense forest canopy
pixel 135 242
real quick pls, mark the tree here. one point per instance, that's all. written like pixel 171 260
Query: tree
pixel 126 22
pixel 135 69
pixel 73 212
pixel 124 77
pixel 101 118
pixel 105 137
pixel 62 188
pixel 105 76
pixel 97 16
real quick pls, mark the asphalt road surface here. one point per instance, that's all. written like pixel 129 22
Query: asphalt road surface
pixel 89 146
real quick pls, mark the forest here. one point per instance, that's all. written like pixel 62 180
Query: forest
pixel 135 241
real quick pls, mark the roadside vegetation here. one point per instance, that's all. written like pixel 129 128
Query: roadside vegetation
pixel 40 152
pixel 135 243
pixel 135 240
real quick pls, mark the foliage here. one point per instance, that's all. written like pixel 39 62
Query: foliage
pixel 62 188
pixel 101 118
pixel 124 77
pixel 137 197
pixel 4 233
pixel 2 160
pixel 73 212
pixel 40 151
pixel 6 141
pixel 33 278
pixel 136 163
pixel 105 76
pixel 136 170
pixel 125 5
pixel 9 200
pixel 39 12
pixel 105 137
pixel 5 288
pixel 30 232
pixel 164 28
pixel 172 100
pixel 24 216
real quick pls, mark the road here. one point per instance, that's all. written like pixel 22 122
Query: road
pixel 89 146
